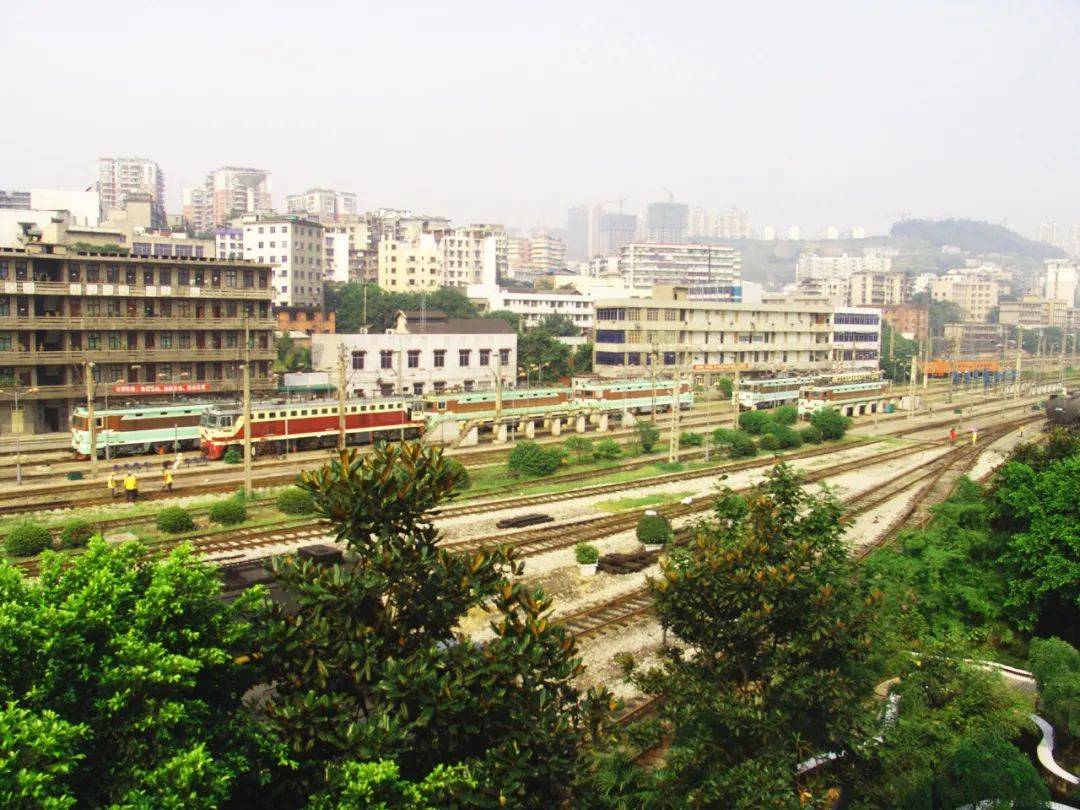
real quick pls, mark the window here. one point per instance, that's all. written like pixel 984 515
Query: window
pixel 386 359
pixel 148 278
pixel 463 357
pixel 504 357
pixel 5 342
pixel 93 340
pixel 5 305
pixel 414 358
pixel 440 358
pixel 358 360
pixel 183 277
pixel 467 385
pixel 93 308
pixel 418 388
pixel 230 278
pixel 114 340
pixel 112 308
pixel 185 340
pixel 112 274
pixel 485 357
pixel 3 270
pixel 73 271
pixel 232 340
pixel 166 340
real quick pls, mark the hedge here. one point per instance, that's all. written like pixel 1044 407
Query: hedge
pixel 173 520
pixel 754 421
pixel 28 539
pixel 691 439
pixel 769 442
pixel 832 424
pixel 607 449
pixel 295 501
pixel 741 444
pixel 653 529
pixel 76 533
pixel 786 415
pixel 586 553
pixel 233 456
pixel 810 435
pixel 529 458
pixel 462 475
pixel 228 513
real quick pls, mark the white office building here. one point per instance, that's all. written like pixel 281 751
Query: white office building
pixel 713 271
pixel 296 249
pixel 1061 281
pixel 322 204
pixel 533 305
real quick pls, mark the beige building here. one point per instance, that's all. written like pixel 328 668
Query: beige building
pixel 819 267
pixel 975 338
pixel 872 289
pixel 295 248
pixel 1032 311
pixel 975 295
pixel 671 331
pixel 410 266
pixel 322 204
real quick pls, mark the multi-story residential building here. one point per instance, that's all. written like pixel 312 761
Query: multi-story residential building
pixel 229 242
pixel 670 331
pixel 668 222
pixel 921 283
pixel 410 266
pixel 225 194
pixel 907 320
pixel 323 204
pixel 547 253
pixel 309 320
pixel 868 289
pixel 614 232
pixel 577 234
pixel 532 305
pixel 518 257
pixel 142 326
pixel 975 295
pixel 716 268
pixel 425 352
pixel 119 177
pixel 470 256
pixel 1061 281
pixel 15 199
pixel 339 265
pixel 810 266
pixel 1033 311
pixel 974 339
pixel 835 289
pixel 295 249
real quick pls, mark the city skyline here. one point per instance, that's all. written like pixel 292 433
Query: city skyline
pixel 840 115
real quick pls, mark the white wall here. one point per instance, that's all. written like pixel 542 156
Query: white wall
pixel 84 206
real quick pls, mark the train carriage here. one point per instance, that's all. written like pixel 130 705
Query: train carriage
pixel 635 396
pixel 137 430
pixel 849 393
pixel 482 405
pixel 755 394
pixel 309 425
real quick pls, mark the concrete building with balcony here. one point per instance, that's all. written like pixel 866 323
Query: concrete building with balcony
pixel 975 339
pixel 225 194
pixel 322 204
pixel 143 323
pixel 410 266
pixel 1061 281
pixel 424 353
pixel 909 321
pixel 671 332
pixel 295 248
pixel 119 178
pixel 533 305
pixel 1034 312
pixel 810 265
pixel 714 267
pixel 871 289
pixel 975 295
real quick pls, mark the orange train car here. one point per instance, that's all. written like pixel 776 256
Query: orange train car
pixel 943 368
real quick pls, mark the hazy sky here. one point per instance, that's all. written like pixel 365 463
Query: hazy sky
pixel 805 112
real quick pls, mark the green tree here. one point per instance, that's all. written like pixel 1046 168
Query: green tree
pixel 774 643
pixel 754 421
pixel 647 436
pixel 543 355
pixel 559 326
pixel 1041 514
pixel 1056 666
pixel 530 458
pixel 725 386
pixel 126 666
pixel 832 424
pixel 578 446
pixel 607 449
pixel 582 360
pixel 379 784
pixel 896 354
pixel 511 318
pixel 38 753
pixel 369 667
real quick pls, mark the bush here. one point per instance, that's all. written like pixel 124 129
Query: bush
pixel 586 553
pixel 769 442
pixel 788 437
pixel 691 439
pixel 741 444
pixel 295 501
pixel 579 446
pixel 831 423
pixel 726 386
pixel 722 436
pixel 173 520
pixel 529 458
pixel 228 513
pixel 233 456
pixel 464 481
pixel 653 529
pixel 76 534
pixel 1056 666
pixel 810 435
pixel 786 415
pixel 607 449
pixel 754 421
pixel 648 436
pixel 28 539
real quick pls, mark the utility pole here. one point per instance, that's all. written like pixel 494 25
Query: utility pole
pixel 341 394
pixel 247 408
pixel 926 363
pixel 1061 371
pixel 90 421
pixel 735 399
pixel 673 439
pixel 892 350
pixel 1019 359
pixel 955 365
pixel 363 305
pixel 911 385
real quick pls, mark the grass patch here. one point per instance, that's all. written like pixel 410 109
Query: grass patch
pixel 626 504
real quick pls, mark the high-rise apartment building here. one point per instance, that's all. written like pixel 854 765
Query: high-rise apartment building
pixel 141 326
pixel 225 194
pixel 1061 281
pixel 295 248
pixel 547 253
pixel 410 266
pixel 715 270
pixel 870 289
pixel 614 232
pixel 119 177
pixel 471 255
pixel 668 222
pixel 577 234
pixel 1048 233
pixel 811 266
pixel 322 204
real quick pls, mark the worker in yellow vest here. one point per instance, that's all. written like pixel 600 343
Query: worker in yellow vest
pixel 131 487
pixel 111 484
pixel 168 479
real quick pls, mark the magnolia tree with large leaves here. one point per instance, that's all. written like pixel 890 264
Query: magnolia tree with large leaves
pixel 119 685
pixel 771 665
pixel 368 665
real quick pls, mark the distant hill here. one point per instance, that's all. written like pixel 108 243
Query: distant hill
pixel 976 237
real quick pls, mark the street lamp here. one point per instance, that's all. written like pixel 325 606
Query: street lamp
pixel 18 433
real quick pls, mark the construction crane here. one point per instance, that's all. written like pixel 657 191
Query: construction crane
pixel 670 196
pixel 619 200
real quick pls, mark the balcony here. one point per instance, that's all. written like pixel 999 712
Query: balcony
pixel 78 391
pixel 133 290
pixel 117 322
pixel 69 356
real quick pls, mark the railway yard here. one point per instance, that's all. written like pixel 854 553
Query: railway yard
pixel 888 472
